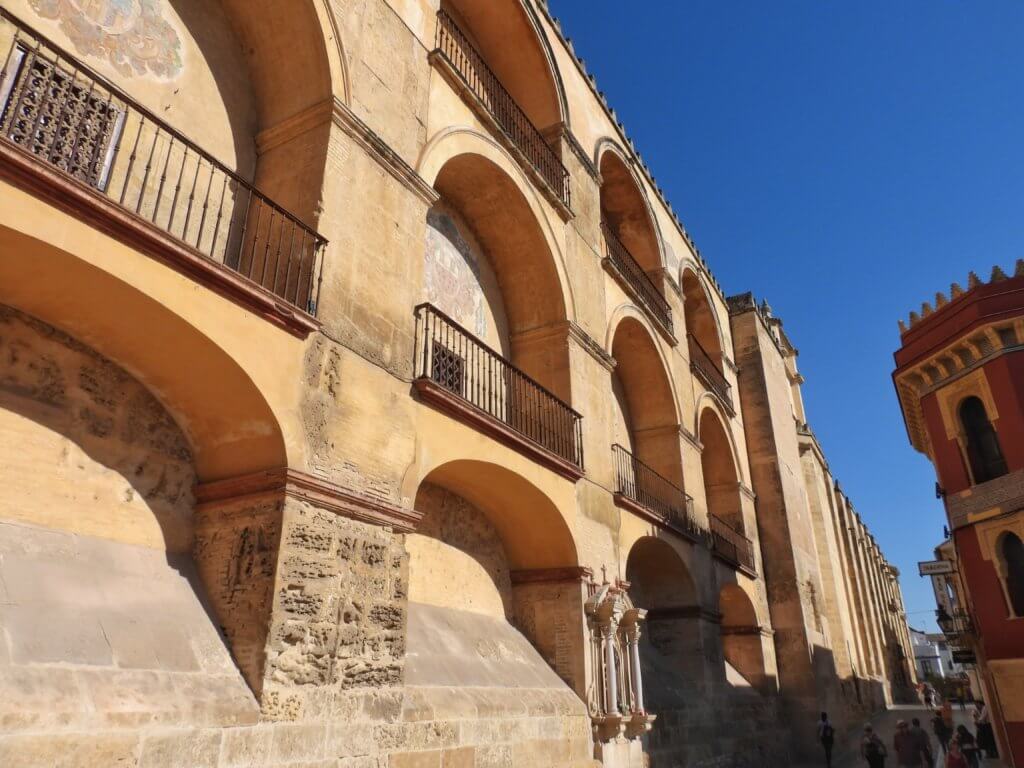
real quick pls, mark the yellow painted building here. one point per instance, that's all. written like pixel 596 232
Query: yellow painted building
pixel 364 403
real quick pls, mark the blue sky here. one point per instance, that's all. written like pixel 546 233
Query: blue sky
pixel 844 160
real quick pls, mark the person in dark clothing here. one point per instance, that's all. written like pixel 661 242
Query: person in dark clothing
pixel 923 743
pixel 827 737
pixel 941 731
pixel 907 746
pixel 968 746
pixel 872 749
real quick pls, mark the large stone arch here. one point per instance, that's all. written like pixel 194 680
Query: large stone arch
pixel 511 38
pixel 232 428
pixel 477 178
pixel 494 565
pixel 702 321
pixel 626 208
pixel 97 525
pixel 643 390
pixel 672 646
pixel 720 467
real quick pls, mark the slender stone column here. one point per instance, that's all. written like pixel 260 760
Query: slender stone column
pixel 633 641
pixel 611 677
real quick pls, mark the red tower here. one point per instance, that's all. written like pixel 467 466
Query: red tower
pixel 960 380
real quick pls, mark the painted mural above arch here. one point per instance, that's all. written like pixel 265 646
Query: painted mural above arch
pixel 135 36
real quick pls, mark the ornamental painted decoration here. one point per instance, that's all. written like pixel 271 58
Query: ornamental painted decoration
pixel 132 35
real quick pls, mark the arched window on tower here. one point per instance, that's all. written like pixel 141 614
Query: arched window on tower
pixel 983 452
pixel 1011 548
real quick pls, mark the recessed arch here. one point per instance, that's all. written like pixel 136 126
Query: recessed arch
pixel 984 453
pixel 533 531
pixel 508 33
pixel 720 468
pixel 672 645
pixel 498 214
pixel 626 209
pixel 702 321
pixel 741 636
pixel 1010 550
pixel 647 415
pixel 231 427
pixel 492 564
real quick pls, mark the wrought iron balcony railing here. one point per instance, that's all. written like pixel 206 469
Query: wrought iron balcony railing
pixel 469 64
pixel 57 110
pixel 641 485
pixel 732 545
pixel 709 372
pixel 450 358
pixel 636 280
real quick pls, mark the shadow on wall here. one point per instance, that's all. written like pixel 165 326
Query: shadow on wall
pixel 101 595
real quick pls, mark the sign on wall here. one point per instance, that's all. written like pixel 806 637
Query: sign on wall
pixel 935 567
pixel 964 657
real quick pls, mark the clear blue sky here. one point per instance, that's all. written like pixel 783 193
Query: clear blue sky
pixel 844 160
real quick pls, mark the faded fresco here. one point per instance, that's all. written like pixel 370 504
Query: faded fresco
pixel 132 35
pixel 452 274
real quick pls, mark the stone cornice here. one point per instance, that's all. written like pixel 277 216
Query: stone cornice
pixel 568 329
pixel 573 574
pixel 317 491
pixel 337 113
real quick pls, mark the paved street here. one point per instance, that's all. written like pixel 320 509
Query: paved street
pixel 847 752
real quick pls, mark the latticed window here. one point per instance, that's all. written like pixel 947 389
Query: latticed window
pixel 60 116
pixel 448 369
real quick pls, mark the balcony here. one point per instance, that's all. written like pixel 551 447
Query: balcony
pixel 732 546
pixel 74 138
pixel 464 65
pixel 649 495
pixel 710 372
pixel 636 282
pixel 456 372
pixel 957 627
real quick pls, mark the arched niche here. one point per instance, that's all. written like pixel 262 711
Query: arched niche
pixel 701 321
pixel 672 646
pixel 718 465
pixel 509 37
pixel 741 637
pixel 484 568
pixel 625 209
pixel 490 265
pixel 96 520
pixel 645 407
pixel 231 427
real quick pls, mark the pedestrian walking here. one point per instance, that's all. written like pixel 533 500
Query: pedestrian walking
pixel 872 749
pixel 907 747
pixel 968 746
pixel 923 743
pixel 942 733
pixel 827 737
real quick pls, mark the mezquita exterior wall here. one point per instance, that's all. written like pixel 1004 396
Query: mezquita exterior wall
pixel 363 403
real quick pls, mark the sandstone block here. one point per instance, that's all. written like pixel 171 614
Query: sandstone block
pixel 95 750
pixel 245 747
pixel 181 749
